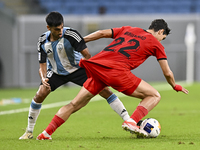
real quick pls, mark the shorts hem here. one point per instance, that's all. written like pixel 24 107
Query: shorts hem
pixel 133 88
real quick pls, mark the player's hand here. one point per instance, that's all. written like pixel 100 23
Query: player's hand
pixel 185 91
pixel 45 82
pixel 180 88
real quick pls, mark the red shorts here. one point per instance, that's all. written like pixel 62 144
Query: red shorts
pixel 123 80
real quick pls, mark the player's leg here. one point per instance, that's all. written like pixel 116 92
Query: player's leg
pixel 149 95
pixel 150 98
pixel 36 104
pixel 79 77
pixel 34 111
pixel 64 113
pixel 90 88
pixel 115 103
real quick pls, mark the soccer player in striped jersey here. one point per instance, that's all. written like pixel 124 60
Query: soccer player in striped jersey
pixel 112 67
pixel 59 51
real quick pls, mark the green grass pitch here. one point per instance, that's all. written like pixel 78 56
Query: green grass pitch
pixel 98 127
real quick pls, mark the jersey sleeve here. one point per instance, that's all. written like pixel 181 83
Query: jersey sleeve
pixel 160 53
pixel 116 31
pixel 42 56
pixel 75 39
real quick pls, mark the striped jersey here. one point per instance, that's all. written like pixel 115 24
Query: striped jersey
pixel 63 55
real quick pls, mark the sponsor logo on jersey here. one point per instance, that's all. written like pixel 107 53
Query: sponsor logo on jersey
pixel 49 51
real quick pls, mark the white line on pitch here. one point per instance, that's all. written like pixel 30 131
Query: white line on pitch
pixel 46 106
pixel 160 87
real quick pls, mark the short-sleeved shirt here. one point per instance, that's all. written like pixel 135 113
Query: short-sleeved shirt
pixel 130 48
pixel 111 67
pixel 63 55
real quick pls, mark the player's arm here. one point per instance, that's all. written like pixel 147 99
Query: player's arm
pixel 43 74
pixel 167 72
pixel 107 33
pixel 86 54
pixel 170 76
pixel 77 42
pixel 42 56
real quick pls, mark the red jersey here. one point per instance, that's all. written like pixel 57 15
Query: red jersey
pixel 129 49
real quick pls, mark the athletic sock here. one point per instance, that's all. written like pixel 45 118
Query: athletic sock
pixel 34 112
pixel 131 120
pixel 54 124
pixel 139 113
pixel 118 107
pixel 46 134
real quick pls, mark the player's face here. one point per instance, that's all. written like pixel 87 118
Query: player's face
pixel 56 32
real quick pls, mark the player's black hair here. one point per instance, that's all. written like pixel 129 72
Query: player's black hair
pixel 159 24
pixel 54 19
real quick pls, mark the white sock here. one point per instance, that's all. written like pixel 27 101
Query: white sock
pixel 34 112
pixel 119 108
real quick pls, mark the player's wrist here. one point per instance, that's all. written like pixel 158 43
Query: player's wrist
pixel 177 88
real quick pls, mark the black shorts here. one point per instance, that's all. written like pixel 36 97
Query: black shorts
pixel 78 77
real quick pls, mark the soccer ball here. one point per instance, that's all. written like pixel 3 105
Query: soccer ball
pixel 151 126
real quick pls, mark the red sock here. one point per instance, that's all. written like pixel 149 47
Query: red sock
pixel 54 124
pixel 139 113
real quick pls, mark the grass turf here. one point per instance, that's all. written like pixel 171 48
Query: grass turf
pixel 98 127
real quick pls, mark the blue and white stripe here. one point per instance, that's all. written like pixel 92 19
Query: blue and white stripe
pixel 62 59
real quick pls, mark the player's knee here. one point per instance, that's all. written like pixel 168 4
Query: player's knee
pixel 157 96
pixel 41 95
pixel 106 93
pixel 38 98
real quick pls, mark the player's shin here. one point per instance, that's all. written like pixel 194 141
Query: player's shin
pixel 34 112
pixel 139 113
pixel 53 125
pixel 51 128
pixel 118 107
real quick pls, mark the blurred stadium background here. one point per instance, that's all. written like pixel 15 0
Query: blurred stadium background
pixel 23 21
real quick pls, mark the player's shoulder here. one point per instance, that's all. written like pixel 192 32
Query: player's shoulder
pixel 131 27
pixel 72 33
pixel 68 30
pixel 125 27
pixel 44 36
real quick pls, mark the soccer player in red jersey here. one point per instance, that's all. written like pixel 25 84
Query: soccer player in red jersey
pixel 112 67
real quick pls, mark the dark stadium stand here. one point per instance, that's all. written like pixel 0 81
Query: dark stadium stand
pixel 121 6
pixel 20 7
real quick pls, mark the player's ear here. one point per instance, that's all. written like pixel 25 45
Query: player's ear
pixel 161 31
pixel 48 27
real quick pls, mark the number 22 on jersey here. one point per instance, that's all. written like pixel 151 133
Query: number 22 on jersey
pixel 132 45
